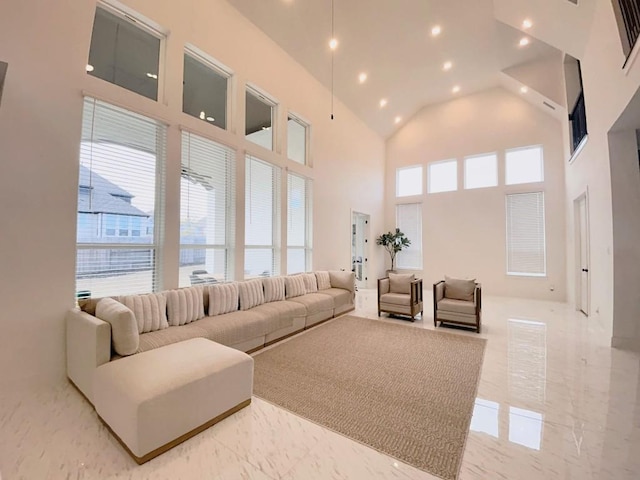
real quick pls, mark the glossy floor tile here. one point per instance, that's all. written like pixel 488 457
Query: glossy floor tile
pixel 554 402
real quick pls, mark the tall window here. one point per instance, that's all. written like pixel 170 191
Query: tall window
pixel 262 219
pixel 207 211
pixel 442 176
pixel 125 52
pixel 526 234
pixel 259 112
pixel 298 224
pixel 409 181
pixel 409 221
pixel 481 171
pixel 122 158
pixel 524 165
pixel 297 140
pixel 204 91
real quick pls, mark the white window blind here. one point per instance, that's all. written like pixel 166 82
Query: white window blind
pixel 121 179
pixel 207 211
pixel 524 165
pixel 299 235
pixel 526 234
pixel 409 181
pixel 481 171
pixel 409 221
pixel 442 176
pixel 262 219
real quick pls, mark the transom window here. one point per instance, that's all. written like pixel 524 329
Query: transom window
pixel 481 171
pixel 409 181
pixel 297 134
pixel 524 165
pixel 259 113
pixel 125 52
pixel 443 176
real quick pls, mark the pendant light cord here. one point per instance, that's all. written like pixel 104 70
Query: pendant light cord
pixel 332 54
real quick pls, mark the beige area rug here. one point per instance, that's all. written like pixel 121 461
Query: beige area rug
pixel 404 391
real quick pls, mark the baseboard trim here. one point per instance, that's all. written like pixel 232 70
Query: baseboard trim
pixel 626 343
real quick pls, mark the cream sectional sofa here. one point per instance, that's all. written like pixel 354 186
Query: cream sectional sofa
pixel 244 315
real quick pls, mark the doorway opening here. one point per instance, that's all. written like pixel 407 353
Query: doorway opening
pixel 360 247
pixel 581 216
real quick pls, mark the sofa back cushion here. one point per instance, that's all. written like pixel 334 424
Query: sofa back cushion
pixel 273 289
pixel 459 289
pixel 223 298
pixel 401 282
pixel 324 280
pixel 184 305
pixel 342 279
pixel 310 282
pixel 251 293
pixel 150 310
pixel 294 286
pixel 124 327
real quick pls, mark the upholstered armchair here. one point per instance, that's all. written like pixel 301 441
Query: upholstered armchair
pixel 457 301
pixel 400 294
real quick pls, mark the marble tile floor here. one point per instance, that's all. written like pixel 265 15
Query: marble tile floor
pixel 554 402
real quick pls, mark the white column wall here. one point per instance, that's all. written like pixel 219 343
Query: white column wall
pixel 46 45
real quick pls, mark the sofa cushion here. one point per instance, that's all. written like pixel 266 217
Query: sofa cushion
pixel 273 289
pixel 324 280
pixel 401 282
pixel 184 305
pixel 310 282
pixel 234 327
pixel 124 327
pixel 150 310
pixel 456 306
pixel 315 302
pixel 223 298
pixel 294 286
pixel 341 297
pixel 342 279
pixel 459 289
pixel 160 338
pixel 251 293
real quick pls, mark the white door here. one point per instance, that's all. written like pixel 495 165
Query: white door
pixel 582 234
pixel 360 247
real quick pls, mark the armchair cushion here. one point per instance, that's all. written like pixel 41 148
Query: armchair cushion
pixel 457 306
pixel 459 289
pixel 401 282
pixel 396 299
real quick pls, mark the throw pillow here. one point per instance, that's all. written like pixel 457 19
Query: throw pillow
pixel 400 282
pixel 251 293
pixel 342 279
pixel 324 280
pixel 273 289
pixel 459 289
pixel 124 328
pixel 184 305
pixel 150 310
pixel 223 298
pixel 294 286
pixel 310 282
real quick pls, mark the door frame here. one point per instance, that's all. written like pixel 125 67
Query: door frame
pixel 367 233
pixel 579 243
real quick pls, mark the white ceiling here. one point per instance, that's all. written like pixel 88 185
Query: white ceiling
pixel 391 41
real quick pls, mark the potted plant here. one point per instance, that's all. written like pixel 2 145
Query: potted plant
pixel 393 242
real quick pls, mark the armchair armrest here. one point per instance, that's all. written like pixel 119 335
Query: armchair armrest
pixel 383 286
pixel 477 296
pixel 416 291
pixel 438 292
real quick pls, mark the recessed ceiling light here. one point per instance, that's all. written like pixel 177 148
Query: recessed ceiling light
pixel 523 89
pixel 524 41
pixel 203 116
pixel 526 23
pixel 456 89
pixel 436 30
pixel 211 119
pixel 362 77
pixel 333 43
pixel 447 66
pixel 383 103
pixel 89 68
pixel 398 119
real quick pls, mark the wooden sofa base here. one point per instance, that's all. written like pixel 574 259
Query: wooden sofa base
pixel 180 439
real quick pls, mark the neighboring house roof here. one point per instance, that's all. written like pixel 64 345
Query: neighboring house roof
pixel 105 196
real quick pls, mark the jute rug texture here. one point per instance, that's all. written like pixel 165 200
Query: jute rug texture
pixel 404 391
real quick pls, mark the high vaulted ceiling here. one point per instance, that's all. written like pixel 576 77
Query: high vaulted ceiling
pixel 391 42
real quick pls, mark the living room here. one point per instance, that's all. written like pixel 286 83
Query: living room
pixel 352 168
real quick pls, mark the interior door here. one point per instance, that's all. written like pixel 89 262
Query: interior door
pixel 359 247
pixel 583 254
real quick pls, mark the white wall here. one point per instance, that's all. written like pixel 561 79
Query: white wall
pixel 464 231
pixel 46 45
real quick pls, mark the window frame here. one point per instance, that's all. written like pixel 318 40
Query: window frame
pixel 268 100
pixel 307 137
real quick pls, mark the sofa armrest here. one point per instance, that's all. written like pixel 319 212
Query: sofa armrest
pixel 383 286
pixel 88 347
pixel 343 279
